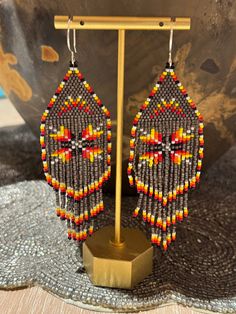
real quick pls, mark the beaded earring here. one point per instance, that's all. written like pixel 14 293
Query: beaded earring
pixel 166 151
pixel 76 147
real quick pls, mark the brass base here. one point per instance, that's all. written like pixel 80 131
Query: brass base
pixel 114 266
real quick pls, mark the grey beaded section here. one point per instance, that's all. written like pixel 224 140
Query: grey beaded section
pixel 75 88
pixel 197 270
pixel 168 90
pixel 165 176
pixel 78 172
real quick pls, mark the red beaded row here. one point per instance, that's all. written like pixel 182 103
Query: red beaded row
pixel 155 158
pixel 196 178
pixel 77 195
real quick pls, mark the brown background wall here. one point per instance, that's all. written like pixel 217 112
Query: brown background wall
pixel 34 58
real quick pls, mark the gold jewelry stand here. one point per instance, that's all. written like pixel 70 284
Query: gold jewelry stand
pixel 115 257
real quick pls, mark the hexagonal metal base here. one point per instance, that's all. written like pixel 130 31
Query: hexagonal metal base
pixel 118 267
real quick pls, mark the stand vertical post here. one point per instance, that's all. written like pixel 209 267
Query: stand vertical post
pixel 109 260
pixel 119 139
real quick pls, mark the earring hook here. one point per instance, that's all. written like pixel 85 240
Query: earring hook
pixel 74 42
pixel 170 46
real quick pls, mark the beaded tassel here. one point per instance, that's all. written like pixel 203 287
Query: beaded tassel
pixel 166 152
pixel 76 148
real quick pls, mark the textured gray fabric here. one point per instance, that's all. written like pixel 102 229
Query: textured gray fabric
pixel 199 269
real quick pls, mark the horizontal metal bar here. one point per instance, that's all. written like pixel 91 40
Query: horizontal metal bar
pixel 122 22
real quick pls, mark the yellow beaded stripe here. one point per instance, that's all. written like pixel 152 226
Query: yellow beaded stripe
pixel 194 179
pixel 52 181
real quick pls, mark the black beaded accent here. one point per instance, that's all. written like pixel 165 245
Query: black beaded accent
pixel 165 156
pixel 76 147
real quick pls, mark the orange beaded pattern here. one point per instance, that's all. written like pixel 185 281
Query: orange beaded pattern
pixel 76 152
pixel 166 152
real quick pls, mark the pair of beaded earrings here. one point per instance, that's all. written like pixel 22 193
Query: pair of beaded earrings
pixel 166 151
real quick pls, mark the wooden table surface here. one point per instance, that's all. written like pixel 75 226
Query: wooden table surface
pixel 35 300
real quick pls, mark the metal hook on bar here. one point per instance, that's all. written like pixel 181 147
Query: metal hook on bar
pixel 74 41
pixel 170 44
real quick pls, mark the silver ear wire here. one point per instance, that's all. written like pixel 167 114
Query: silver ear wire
pixel 74 42
pixel 170 47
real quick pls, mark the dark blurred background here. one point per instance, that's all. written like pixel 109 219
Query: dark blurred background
pixel 34 58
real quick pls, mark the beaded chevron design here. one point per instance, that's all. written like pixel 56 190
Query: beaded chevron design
pixel 76 152
pixel 166 152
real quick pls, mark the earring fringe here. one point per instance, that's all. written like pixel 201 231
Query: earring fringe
pixel 166 152
pixel 76 152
